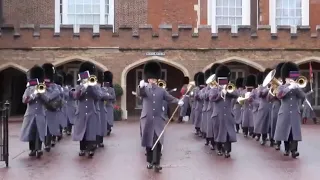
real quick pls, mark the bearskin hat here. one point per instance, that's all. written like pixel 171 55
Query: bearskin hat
pixel 259 78
pixel 278 70
pixel 223 71
pixel 196 75
pixel 239 82
pixel 69 79
pixel 36 72
pixel 100 77
pixel 214 68
pixel 59 79
pixel 108 77
pixel 185 80
pixel 200 79
pixel 207 74
pixel 88 66
pixel 49 71
pixel 286 68
pixel 250 81
pixel 152 70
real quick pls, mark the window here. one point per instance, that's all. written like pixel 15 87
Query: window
pixel 74 73
pixel 85 12
pixel 139 77
pixel 228 12
pixel 236 73
pixel 289 13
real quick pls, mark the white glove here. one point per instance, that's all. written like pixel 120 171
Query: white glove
pixel 191 93
pixel 180 103
pixel 85 85
pixel 247 95
pixel 224 91
pixel 293 86
pixel 142 84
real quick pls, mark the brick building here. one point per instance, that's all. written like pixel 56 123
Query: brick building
pixel 185 35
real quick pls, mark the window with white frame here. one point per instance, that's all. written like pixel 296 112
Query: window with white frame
pixel 86 12
pixel 228 12
pixel 236 73
pixel 139 77
pixel 289 13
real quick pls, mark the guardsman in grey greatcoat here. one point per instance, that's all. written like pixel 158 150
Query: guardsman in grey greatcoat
pixel 237 109
pixel 111 99
pixel 152 121
pixel 289 117
pixel 34 124
pixel 192 99
pixel 61 114
pixel 70 104
pixel 86 124
pixel 263 117
pixel 247 116
pixel 52 121
pixel 307 112
pixel 210 107
pixel 224 131
pixel 186 105
pixel 255 100
pixel 205 98
pixel 200 83
pixel 275 108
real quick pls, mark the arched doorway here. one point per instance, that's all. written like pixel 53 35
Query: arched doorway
pixel 13 83
pixel 239 67
pixel 172 72
pixel 71 65
pixel 304 66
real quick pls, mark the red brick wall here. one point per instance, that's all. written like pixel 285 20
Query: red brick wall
pixel 264 12
pixel 314 14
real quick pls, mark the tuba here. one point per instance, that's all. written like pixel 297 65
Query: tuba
pixel 41 88
pixel 161 83
pixel 302 81
pixel 274 83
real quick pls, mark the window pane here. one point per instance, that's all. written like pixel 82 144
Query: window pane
pixel 229 13
pixel 71 9
pixel 71 19
pixel 288 12
pixel 219 11
pixel 106 19
pixel 239 12
pixel 88 19
pixel 71 1
pixel 96 9
pixel 95 1
pixel 225 11
pixel 107 9
pixel 232 3
pixel 239 3
pixel 79 9
pixel 219 2
pixel 232 11
pixel 80 19
pixel 87 9
pixel 239 21
pixel 96 19
pixel 107 2
pixel 225 3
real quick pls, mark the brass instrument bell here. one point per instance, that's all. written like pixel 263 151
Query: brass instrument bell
pixel 274 83
pixel 41 88
pixel 161 83
pixel 302 81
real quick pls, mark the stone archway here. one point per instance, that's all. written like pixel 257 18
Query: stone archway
pixel 140 62
pixel 14 78
pixel 71 65
pixel 241 60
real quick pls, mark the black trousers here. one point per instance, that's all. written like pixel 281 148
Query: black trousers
pixel 69 127
pixel 35 144
pixel 237 127
pixel 87 145
pixel 48 138
pixel 224 146
pixel 154 156
pixel 264 137
pixel 245 130
pixel 99 139
pixel 109 127
pixel 291 145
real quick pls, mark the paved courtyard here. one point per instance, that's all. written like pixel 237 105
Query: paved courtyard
pixel 184 158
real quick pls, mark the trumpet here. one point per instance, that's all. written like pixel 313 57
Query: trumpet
pixel 230 87
pixel 41 88
pixel 161 83
pixel 302 81
pixel 91 81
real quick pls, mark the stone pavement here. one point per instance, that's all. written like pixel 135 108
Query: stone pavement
pixel 184 158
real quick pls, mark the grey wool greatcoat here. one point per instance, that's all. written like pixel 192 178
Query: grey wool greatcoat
pixel 264 111
pixel 210 110
pixel 237 108
pixel 198 108
pixel 105 97
pixel 86 124
pixel 152 120
pixel 52 117
pixel 247 115
pixel 222 114
pixel 70 104
pixel 35 114
pixel 193 105
pixel 184 108
pixel 255 99
pixel 109 101
pixel 205 97
pixel 289 116
pixel 274 113
pixel 61 112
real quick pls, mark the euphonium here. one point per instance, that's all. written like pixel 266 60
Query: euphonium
pixel 302 82
pixel 274 83
pixel 212 80
pixel 41 88
pixel 161 83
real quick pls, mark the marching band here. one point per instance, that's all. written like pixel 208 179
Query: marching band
pixel 265 106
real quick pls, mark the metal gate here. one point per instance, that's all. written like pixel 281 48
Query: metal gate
pixel 4 133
